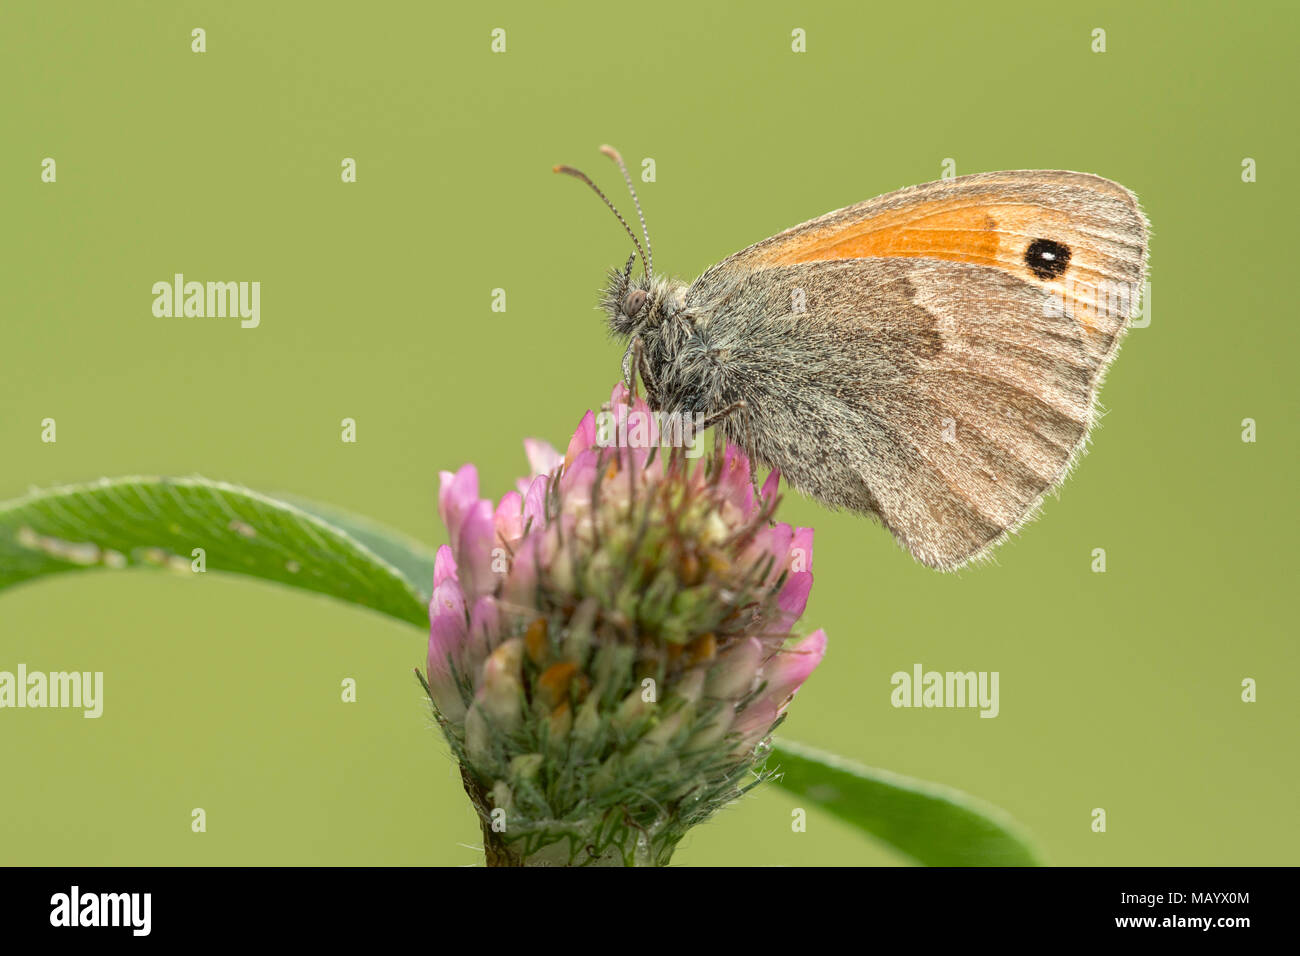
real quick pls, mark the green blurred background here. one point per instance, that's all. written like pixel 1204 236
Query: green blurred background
pixel 1118 690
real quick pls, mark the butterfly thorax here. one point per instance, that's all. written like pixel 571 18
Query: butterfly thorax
pixel 678 368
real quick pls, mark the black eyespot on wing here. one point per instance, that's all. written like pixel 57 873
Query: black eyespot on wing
pixel 1047 259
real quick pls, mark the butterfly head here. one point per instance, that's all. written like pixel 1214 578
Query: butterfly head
pixel 635 304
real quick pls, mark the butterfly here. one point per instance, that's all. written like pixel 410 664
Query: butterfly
pixel 930 358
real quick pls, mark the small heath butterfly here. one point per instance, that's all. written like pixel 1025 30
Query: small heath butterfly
pixel 930 357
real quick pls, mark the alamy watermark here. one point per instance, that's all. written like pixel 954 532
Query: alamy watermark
pixel 622 427
pixel 213 300
pixel 70 689
pixel 1104 299
pixel 75 908
pixel 922 688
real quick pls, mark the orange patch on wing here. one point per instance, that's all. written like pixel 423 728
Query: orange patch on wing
pixel 935 230
pixel 996 233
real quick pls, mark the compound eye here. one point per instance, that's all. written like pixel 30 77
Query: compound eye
pixel 633 302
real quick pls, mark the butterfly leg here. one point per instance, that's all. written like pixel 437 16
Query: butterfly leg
pixel 636 362
pixel 758 491
pixel 647 376
pixel 631 363
pixel 725 413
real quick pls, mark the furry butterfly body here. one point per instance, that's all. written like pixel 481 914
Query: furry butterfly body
pixel 930 358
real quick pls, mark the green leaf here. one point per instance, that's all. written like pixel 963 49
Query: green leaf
pixel 414 559
pixel 158 522
pixel 932 824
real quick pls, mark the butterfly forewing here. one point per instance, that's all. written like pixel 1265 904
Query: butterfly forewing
pixel 931 356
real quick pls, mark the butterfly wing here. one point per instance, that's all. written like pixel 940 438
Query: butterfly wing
pixel 1081 236
pixel 931 356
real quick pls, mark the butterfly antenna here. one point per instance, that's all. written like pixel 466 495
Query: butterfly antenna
pixel 579 174
pixel 613 154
